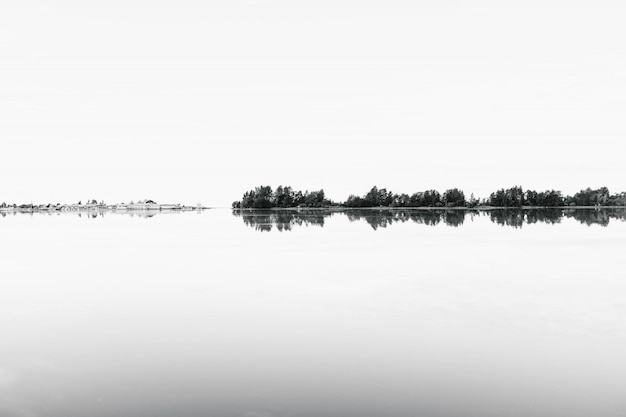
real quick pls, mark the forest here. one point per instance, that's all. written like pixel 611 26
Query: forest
pixel 264 197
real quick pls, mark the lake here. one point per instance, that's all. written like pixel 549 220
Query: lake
pixel 314 313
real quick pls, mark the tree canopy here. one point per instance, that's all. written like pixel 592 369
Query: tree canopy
pixel 514 197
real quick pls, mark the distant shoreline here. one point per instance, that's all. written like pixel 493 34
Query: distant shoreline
pixel 156 208
pixel 78 208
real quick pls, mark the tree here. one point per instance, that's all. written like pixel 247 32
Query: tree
pixel 589 197
pixel 353 201
pixel 371 198
pixel 512 197
pixel 473 202
pixel 454 198
pixel 532 198
pixel 432 198
pixel 263 197
pixel 402 200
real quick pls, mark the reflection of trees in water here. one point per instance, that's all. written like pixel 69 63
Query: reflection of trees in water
pixel 517 218
pixel 282 220
pixel 512 218
pixel 285 220
pixel 454 218
pixel 384 218
pixel 429 218
pixel 377 218
pixel 601 217
pixel 550 216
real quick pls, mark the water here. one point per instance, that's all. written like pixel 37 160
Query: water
pixel 311 313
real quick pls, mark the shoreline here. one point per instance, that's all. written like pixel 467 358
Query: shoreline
pixel 112 208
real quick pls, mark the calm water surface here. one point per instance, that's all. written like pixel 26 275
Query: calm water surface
pixel 260 314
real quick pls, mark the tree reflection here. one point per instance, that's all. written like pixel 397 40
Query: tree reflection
pixel 286 220
pixel 512 218
pixel 590 217
pixel 282 220
pixel 518 218
pixel 550 216
pixel 377 218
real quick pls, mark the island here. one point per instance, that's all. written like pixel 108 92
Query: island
pixel 264 197
pixel 95 206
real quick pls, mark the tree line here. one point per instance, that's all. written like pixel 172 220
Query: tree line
pixel 282 197
pixel 514 197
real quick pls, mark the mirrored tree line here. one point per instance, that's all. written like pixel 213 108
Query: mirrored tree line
pixel 266 220
pixel 286 220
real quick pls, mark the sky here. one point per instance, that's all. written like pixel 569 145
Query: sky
pixel 198 101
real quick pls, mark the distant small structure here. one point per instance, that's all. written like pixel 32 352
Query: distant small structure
pixel 147 205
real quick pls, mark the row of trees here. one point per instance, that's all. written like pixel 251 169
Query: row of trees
pixel 516 197
pixel 431 198
pixel 282 197
pixel 286 197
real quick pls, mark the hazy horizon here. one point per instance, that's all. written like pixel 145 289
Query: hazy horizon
pixel 194 101
pixel 228 205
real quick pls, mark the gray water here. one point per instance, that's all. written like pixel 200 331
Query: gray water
pixel 310 313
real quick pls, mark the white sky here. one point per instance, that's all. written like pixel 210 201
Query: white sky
pixel 198 101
